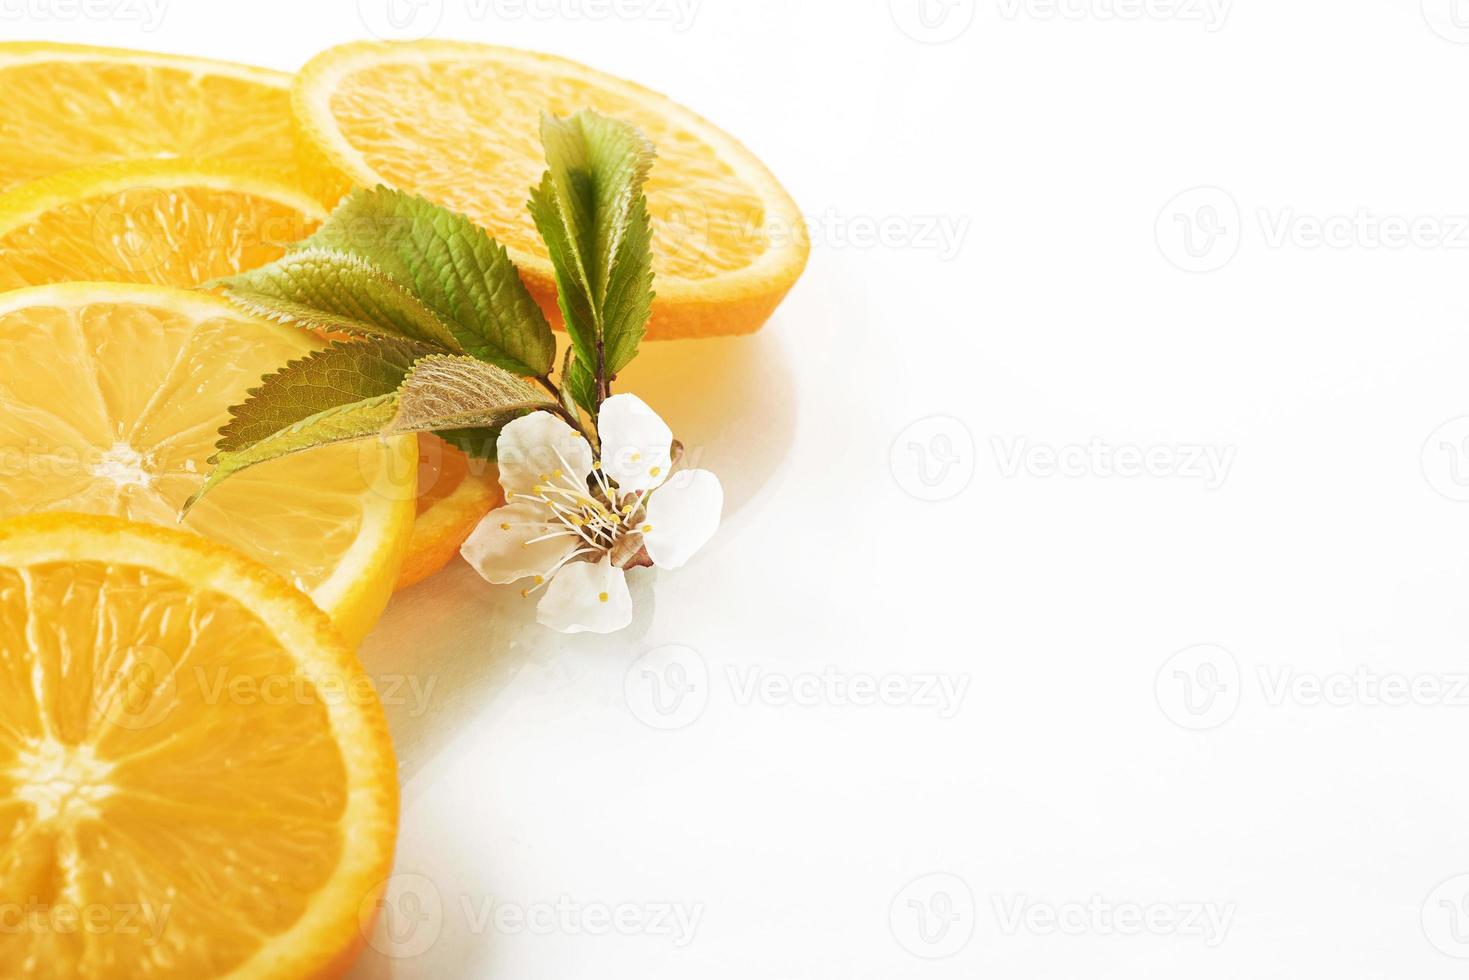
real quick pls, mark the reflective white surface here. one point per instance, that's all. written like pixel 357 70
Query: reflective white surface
pixel 948 697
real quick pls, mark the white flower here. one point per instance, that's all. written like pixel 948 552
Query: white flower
pixel 572 523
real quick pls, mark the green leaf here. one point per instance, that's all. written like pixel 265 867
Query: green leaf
pixel 363 389
pixel 476 443
pixel 449 391
pixel 452 267
pixel 339 376
pixel 578 381
pixel 334 291
pixel 591 211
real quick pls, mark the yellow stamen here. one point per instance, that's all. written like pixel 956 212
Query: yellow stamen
pixel 647 528
pixel 602 597
pixel 504 526
pixel 655 471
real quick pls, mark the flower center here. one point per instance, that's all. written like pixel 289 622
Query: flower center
pixel 604 521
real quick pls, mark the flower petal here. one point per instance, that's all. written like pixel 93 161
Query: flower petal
pixel 534 447
pixel 636 444
pixel 682 516
pixel 500 549
pixel 587 597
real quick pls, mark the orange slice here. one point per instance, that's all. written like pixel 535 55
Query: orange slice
pixel 459 124
pixel 111 400
pixel 173 223
pixel 196 779
pixel 70 105
pixel 455 493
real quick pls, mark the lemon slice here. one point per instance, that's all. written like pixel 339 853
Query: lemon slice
pixel 196 779
pixel 111 398
pixel 172 223
pixel 70 105
pixel 459 124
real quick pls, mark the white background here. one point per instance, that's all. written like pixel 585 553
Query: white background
pixel 999 242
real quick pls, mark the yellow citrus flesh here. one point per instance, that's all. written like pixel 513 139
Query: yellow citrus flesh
pixel 172 223
pixel 455 493
pixel 70 105
pixel 111 398
pixel 196 779
pixel 459 124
